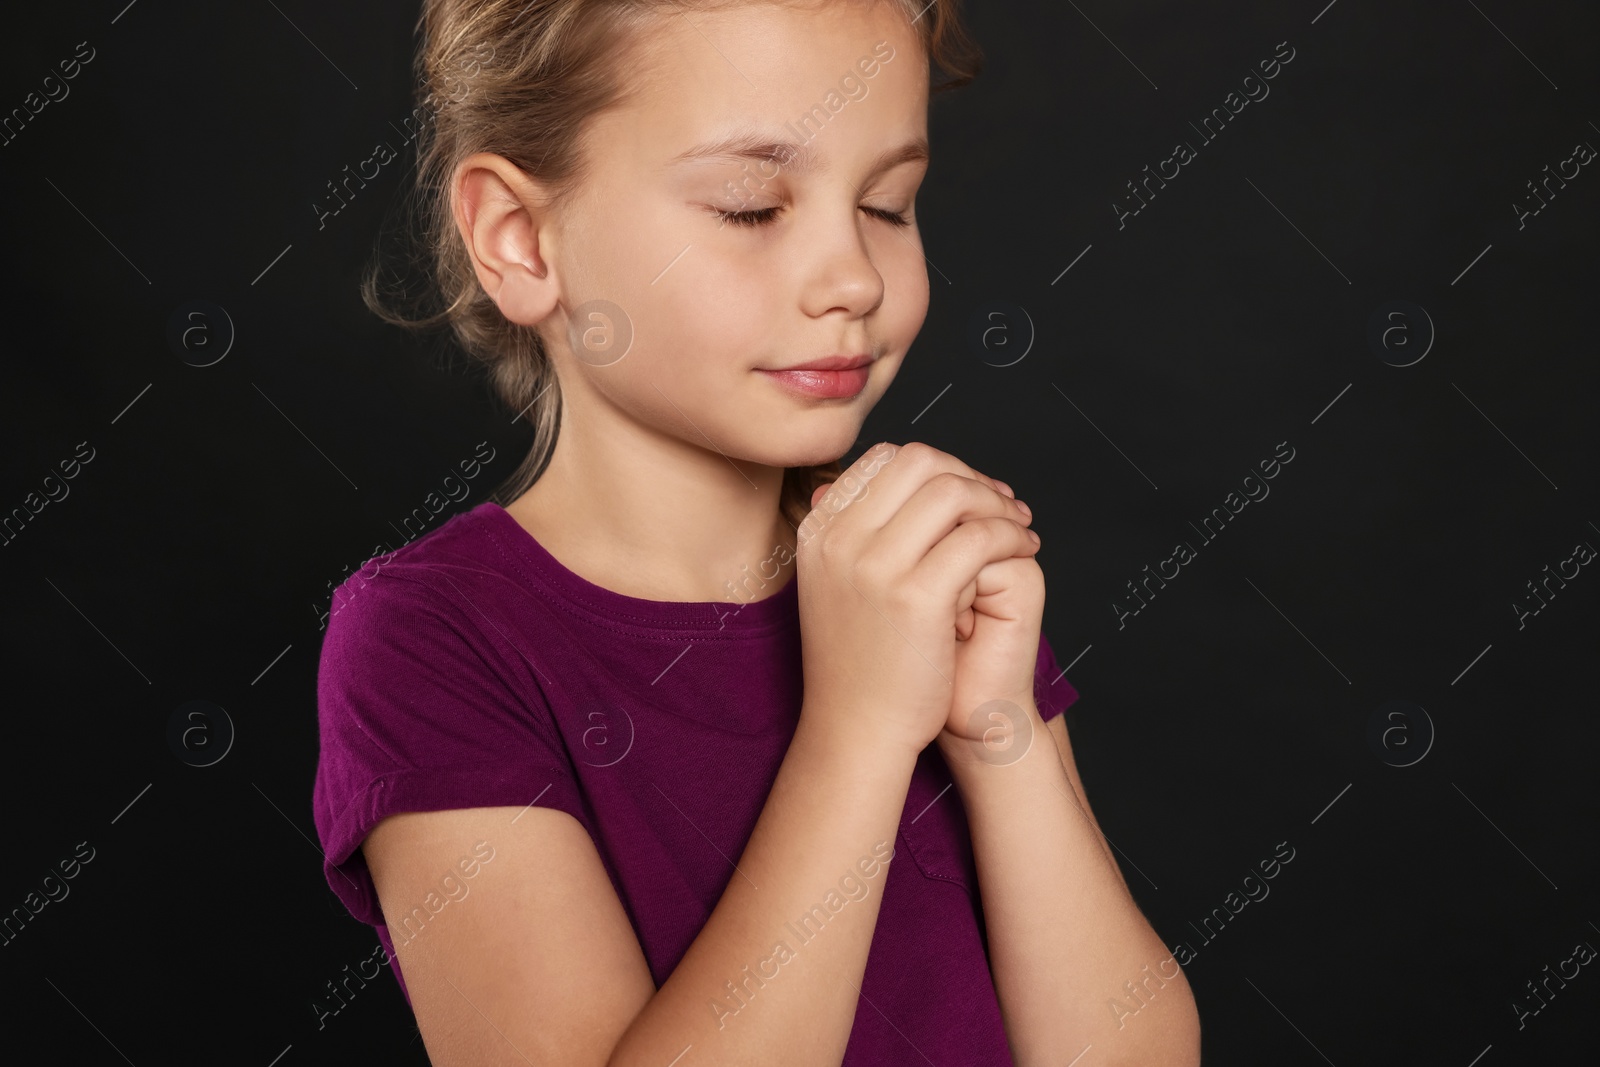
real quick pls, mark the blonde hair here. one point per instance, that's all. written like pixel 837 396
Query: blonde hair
pixel 521 78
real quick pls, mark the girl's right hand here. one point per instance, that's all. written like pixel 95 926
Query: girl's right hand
pixel 885 560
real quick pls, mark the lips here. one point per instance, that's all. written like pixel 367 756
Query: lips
pixel 821 384
pixel 832 363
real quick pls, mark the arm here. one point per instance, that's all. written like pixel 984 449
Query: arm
pixel 541 963
pixel 1064 932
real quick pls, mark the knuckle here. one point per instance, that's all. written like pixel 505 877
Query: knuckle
pixel 874 575
pixel 909 597
pixel 989 534
pixel 948 487
pixel 849 486
pixel 870 570
pixel 919 456
pixel 879 454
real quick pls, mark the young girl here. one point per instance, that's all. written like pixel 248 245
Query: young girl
pixel 689 747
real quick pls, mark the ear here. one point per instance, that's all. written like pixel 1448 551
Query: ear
pixel 500 214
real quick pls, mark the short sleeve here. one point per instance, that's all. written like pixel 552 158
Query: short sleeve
pixel 422 705
pixel 1052 693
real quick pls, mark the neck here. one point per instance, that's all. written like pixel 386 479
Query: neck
pixel 656 518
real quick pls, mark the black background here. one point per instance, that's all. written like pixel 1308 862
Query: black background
pixel 194 555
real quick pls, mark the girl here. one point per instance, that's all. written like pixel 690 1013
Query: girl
pixel 634 762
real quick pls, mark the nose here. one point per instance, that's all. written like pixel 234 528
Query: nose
pixel 841 274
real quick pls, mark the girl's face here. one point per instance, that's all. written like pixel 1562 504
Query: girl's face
pixel 815 252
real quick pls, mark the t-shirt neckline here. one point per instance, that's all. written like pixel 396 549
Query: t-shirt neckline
pixel 711 616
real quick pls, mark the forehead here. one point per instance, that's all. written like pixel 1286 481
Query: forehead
pixel 801 84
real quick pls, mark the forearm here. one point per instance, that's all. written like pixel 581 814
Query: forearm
pixel 773 976
pixel 1065 935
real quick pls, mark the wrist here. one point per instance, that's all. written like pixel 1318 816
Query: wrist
pixel 850 746
pixel 1008 783
pixel 999 740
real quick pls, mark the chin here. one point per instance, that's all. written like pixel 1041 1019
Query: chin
pixel 782 433
pixel 806 442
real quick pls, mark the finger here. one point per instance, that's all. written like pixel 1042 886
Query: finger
pixel 834 497
pixel 966 622
pixel 998 584
pixel 941 504
pixel 945 461
pixel 957 560
pixel 894 472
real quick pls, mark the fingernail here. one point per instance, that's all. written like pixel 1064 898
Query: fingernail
pixel 1035 537
pixel 1006 489
pixel 1025 509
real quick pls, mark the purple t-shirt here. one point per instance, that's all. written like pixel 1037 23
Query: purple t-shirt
pixel 470 668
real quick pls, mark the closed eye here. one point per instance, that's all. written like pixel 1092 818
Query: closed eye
pixel 766 215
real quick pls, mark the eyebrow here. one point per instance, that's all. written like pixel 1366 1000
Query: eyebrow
pixel 798 158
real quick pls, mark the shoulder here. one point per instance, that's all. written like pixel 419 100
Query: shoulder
pixel 383 632
pixel 427 652
pixel 423 665
pixel 442 585
pixel 465 540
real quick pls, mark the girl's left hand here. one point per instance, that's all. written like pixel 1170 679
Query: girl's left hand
pixel 995 661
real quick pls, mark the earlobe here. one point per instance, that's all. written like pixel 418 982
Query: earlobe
pixel 525 298
pixel 492 206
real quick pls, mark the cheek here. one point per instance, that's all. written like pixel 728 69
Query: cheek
pixel 687 305
pixel 721 312
pixel 906 293
pixel 718 305
pixel 697 332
